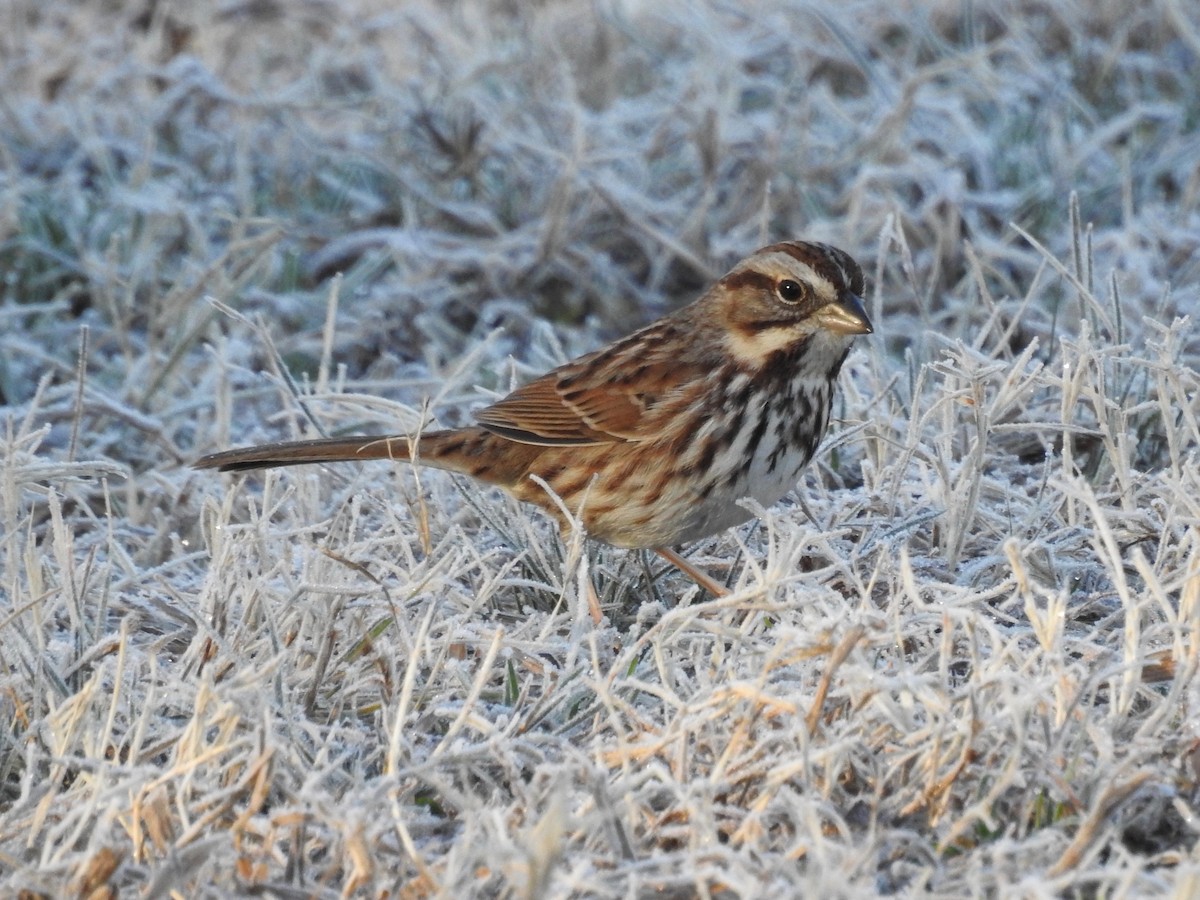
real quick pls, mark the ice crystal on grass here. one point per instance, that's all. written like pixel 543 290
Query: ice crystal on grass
pixel 959 660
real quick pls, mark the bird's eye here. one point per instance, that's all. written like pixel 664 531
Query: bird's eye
pixel 790 291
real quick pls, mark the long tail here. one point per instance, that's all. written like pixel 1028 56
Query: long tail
pixel 473 451
pixel 295 453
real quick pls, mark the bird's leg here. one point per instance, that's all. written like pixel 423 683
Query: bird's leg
pixel 699 576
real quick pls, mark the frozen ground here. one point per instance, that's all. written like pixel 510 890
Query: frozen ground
pixel 961 659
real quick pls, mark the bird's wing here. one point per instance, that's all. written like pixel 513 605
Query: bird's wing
pixel 611 396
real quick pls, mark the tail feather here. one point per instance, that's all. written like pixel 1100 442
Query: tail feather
pixel 472 451
pixel 296 453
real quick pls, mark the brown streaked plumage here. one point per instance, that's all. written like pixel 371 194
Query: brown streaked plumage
pixel 654 439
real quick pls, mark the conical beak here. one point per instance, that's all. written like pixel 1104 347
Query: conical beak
pixel 847 316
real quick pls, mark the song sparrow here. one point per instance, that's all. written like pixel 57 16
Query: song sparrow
pixel 654 439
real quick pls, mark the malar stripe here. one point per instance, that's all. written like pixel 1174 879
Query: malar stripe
pixel 750 329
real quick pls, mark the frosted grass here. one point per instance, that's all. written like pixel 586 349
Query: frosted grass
pixel 960 660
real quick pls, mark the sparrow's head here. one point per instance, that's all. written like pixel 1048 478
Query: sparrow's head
pixel 790 295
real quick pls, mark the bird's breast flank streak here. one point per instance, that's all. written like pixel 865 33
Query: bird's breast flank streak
pixel 776 440
pixel 756 448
